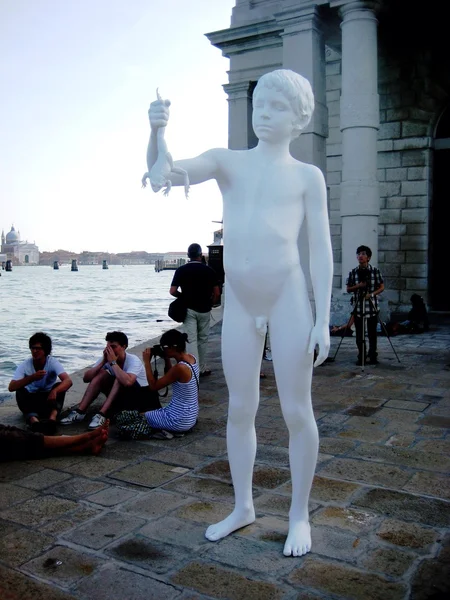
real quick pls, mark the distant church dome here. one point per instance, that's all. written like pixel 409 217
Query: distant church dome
pixel 12 237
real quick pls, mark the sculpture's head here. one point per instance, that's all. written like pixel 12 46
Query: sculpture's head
pixel 295 89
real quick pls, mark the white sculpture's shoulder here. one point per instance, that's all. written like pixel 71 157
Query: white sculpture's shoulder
pixel 312 174
pixel 219 153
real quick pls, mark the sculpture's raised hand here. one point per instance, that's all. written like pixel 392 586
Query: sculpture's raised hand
pixel 158 113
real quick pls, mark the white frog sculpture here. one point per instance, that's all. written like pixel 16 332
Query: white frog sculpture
pixel 163 168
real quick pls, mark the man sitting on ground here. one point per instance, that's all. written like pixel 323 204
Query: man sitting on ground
pixel 121 377
pixel 38 393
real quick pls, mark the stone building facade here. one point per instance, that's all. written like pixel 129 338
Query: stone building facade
pixel 381 128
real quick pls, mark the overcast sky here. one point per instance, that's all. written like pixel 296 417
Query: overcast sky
pixel 76 79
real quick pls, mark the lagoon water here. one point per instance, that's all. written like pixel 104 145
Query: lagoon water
pixel 77 309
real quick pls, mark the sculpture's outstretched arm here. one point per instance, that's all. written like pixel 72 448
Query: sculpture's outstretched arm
pixel 321 260
pixel 201 168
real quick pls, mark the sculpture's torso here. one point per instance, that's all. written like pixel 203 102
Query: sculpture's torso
pixel 263 212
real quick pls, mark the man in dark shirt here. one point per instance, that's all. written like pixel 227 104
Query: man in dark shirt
pixel 365 282
pixel 200 291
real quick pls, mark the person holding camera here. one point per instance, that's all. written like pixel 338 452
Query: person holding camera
pixel 365 282
pixel 121 377
pixel 181 413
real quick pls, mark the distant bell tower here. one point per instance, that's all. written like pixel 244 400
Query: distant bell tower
pixel 3 238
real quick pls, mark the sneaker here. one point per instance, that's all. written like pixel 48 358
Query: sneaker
pixel 73 417
pixel 97 421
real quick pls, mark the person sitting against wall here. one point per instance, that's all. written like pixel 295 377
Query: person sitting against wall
pixel 417 317
pixel 343 330
pixel 38 393
pixel 417 321
pixel 182 412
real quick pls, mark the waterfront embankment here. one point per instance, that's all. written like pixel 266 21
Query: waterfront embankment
pixel 130 523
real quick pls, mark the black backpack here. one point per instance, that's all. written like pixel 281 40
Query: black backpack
pixel 177 310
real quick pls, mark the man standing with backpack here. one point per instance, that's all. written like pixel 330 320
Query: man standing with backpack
pixel 200 291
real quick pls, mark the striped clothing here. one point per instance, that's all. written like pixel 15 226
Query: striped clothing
pixel 182 412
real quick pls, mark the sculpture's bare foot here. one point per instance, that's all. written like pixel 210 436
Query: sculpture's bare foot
pixel 237 519
pixel 298 540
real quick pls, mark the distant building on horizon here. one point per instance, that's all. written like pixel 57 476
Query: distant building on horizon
pixel 17 251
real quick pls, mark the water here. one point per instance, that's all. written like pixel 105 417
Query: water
pixel 77 309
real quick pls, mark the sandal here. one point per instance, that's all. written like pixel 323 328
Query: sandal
pixel 205 373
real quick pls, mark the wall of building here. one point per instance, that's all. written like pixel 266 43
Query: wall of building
pixel 414 90
pixel 411 102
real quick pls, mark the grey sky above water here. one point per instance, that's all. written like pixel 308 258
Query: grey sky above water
pixel 77 79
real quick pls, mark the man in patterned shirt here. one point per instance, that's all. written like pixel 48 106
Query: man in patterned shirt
pixel 365 282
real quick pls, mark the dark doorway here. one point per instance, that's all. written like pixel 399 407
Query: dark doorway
pixel 439 298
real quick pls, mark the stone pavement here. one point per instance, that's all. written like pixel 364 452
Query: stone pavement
pixel 130 523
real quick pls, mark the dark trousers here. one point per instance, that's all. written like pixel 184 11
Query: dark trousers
pixel 137 398
pixel 36 404
pixel 372 335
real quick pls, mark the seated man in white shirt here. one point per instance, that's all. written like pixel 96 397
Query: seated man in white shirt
pixel 39 394
pixel 121 377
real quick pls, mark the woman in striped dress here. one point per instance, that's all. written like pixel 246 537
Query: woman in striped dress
pixel 181 413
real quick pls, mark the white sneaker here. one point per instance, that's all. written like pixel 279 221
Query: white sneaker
pixel 97 421
pixel 72 417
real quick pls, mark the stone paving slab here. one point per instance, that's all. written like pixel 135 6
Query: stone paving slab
pixel 102 531
pixel 17 586
pixel 130 523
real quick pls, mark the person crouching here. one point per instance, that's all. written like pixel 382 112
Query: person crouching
pixel 182 412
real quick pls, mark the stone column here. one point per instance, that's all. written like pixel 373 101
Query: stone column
pixel 240 130
pixel 360 204
pixel 304 52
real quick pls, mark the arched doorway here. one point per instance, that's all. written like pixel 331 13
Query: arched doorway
pixel 439 298
pixel 27 259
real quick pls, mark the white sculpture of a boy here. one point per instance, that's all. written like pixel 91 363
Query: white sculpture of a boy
pixel 267 195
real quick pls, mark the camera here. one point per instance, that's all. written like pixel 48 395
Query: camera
pixel 157 350
pixel 363 275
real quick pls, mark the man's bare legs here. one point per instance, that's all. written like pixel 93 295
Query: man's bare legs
pixel 91 442
pixel 102 382
pixel 293 373
pixel 115 390
pixel 242 349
